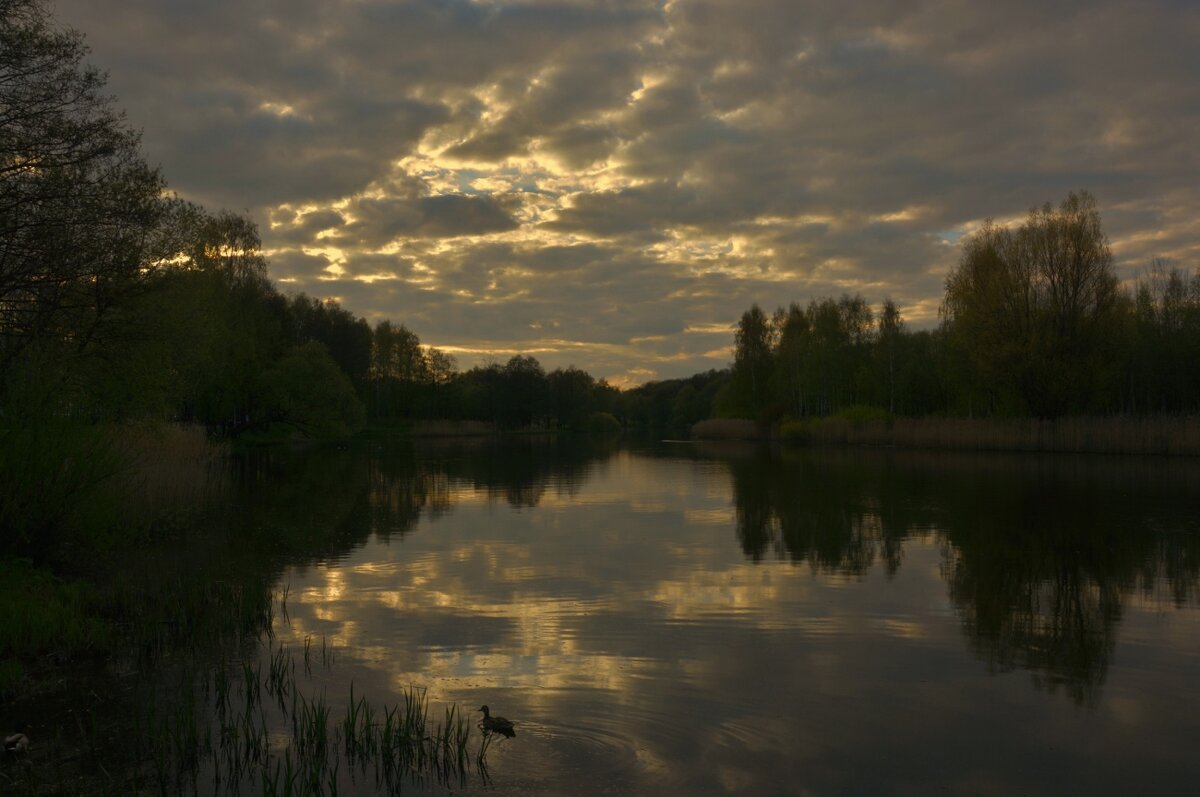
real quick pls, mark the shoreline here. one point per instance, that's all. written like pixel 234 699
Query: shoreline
pixel 1165 435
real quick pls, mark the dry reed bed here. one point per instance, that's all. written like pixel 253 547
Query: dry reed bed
pixel 451 429
pixel 168 467
pixel 726 429
pixel 1169 435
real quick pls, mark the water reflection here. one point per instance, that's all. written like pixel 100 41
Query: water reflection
pixel 1040 553
pixel 686 619
pixel 320 503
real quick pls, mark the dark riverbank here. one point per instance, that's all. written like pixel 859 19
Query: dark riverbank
pixel 1159 434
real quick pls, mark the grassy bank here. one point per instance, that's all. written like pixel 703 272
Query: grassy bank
pixel 1168 435
pixel 72 498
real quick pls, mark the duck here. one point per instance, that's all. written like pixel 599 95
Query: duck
pixel 498 724
pixel 17 743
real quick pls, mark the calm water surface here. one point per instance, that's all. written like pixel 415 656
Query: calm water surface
pixel 681 619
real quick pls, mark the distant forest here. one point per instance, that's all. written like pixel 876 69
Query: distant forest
pixel 119 301
pixel 1034 323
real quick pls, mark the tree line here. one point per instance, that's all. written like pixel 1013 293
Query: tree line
pixel 120 301
pixel 1034 322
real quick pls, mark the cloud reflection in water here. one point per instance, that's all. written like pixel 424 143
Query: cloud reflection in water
pixel 679 623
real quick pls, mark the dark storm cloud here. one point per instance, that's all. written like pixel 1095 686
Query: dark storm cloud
pixel 600 180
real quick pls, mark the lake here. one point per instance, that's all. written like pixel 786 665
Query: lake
pixel 679 618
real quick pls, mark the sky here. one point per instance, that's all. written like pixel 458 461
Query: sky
pixel 611 183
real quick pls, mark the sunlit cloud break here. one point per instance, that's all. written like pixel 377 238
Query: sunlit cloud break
pixel 606 184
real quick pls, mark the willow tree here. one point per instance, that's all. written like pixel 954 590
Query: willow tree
pixel 1037 308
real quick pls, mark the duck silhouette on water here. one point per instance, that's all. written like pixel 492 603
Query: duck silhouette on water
pixel 498 725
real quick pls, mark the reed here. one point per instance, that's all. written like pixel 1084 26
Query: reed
pixel 168 470
pixel 433 428
pixel 1159 435
pixel 399 742
pixel 281 676
pixel 726 429
pixel 249 720
pixel 98 487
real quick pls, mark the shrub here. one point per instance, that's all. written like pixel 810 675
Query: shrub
pixel 603 423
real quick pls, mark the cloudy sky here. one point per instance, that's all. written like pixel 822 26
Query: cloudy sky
pixel 610 183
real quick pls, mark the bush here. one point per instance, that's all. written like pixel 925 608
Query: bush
pixel 603 423
pixel 306 391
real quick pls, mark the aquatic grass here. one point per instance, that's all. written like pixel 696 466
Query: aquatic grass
pixel 159 620
pixel 270 620
pixel 251 687
pixel 287 588
pixel 222 688
pixel 234 746
pixel 310 727
pixel 327 654
pixel 43 614
pixel 481 765
pixel 281 676
pixel 358 727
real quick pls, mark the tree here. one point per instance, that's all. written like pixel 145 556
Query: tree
pixel 1163 376
pixel 80 211
pixel 223 319
pixel 398 367
pixel 790 358
pixel 523 392
pixel 571 399
pixel 1037 308
pixel 347 337
pixel 840 336
pixel 752 361
pixel 891 331
pixel 307 391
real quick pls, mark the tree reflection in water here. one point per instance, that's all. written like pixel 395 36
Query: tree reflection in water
pixel 322 501
pixel 1041 555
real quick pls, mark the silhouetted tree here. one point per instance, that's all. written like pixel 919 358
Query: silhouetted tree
pixel 80 211
pixel 1037 307
pixel 753 345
